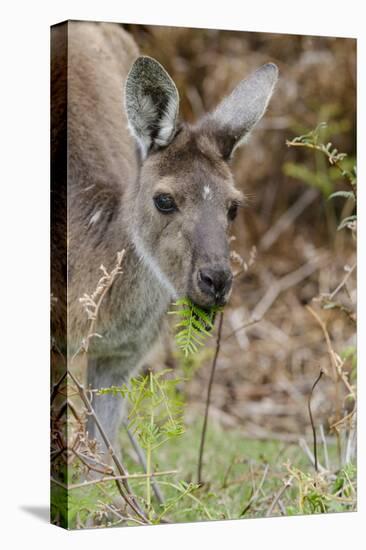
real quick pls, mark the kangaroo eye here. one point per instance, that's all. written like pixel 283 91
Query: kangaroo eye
pixel 165 203
pixel 232 212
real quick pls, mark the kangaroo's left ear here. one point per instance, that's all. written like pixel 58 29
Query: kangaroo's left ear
pixel 230 123
pixel 152 104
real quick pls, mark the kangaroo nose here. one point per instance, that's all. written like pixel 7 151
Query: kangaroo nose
pixel 215 282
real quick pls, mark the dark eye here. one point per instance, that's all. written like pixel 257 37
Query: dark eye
pixel 165 203
pixel 232 212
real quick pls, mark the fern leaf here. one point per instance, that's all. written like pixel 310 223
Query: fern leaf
pixel 194 325
pixel 198 325
pixel 183 323
pixel 203 315
pixel 182 312
pixel 183 302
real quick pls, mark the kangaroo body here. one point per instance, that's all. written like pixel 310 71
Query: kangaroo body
pixel 137 180
pixel 103 171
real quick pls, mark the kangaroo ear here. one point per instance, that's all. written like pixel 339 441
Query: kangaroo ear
pixel 230 123
pixel 152 104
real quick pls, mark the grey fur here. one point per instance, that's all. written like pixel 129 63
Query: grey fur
pixel 239 112
pixel 111 199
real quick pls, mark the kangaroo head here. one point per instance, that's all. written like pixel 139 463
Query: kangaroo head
pixel 185 198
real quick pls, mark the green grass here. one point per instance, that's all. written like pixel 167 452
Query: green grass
pixel 234 467
pixel 241 480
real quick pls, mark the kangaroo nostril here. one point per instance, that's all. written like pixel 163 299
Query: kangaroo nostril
pixel 206 279
pixel 214 282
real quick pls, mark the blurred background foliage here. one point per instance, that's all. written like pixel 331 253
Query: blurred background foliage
pixel 265 371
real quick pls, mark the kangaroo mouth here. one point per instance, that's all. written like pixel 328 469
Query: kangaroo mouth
pixel 208 304
pixel 205 314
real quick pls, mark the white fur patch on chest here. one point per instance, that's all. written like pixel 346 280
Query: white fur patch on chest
pixel 153 265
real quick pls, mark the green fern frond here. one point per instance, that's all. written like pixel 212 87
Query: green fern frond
pixel 194 326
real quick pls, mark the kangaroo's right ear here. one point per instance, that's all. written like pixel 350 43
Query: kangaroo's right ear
pixel 152 104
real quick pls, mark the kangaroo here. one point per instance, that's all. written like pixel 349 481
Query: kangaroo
pixel 128 174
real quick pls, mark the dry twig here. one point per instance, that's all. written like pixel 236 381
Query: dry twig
pixel 92 305
pixel 208 399
pixel 343 282
pixel 335 360
pixel 315 446
pixel 123 488
pixel 256 493
pixel 278 495
pixel 112 478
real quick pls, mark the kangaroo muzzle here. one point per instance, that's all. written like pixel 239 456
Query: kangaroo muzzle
pixel 215 282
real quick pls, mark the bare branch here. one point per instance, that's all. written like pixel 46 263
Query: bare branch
pixel 343 282
pixel 93 303
pixel 335 360
pixel 315 446
pixel 278 495
pixel 208 399
pixel 245 325
pixel 256 493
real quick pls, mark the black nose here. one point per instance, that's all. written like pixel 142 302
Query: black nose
pixel 215 282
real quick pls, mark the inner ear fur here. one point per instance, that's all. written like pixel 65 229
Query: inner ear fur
pixel 152 104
